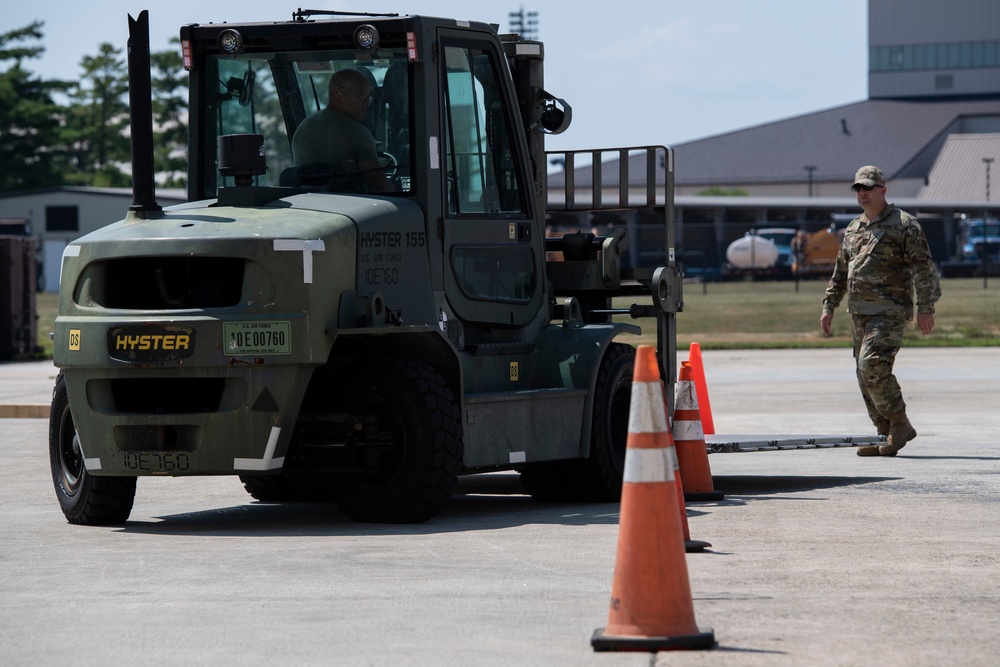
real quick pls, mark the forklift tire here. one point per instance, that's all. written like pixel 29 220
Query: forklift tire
pixel 597 478
pixel 408 443
pixel 268 488
pixel 282 488
pixel 84 499
pixel 601 477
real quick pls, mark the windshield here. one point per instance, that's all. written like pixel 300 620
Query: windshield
pixel 976 229
pixel 779 238
pixel 353 146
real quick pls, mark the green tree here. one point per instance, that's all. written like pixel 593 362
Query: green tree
pixel 30 156
pixel 716 191
pixel 97 119
pixel 170 129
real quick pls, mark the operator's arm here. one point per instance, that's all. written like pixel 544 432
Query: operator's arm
pixel 374 176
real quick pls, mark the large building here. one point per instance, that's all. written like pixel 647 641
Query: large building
pixel 933 72
pixel 931 122
pixel 56 216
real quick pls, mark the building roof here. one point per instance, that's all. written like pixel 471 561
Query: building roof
pixel 887 133
pixel 960 172
pixel 174 195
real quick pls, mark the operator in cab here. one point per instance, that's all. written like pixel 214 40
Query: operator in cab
pixel 336 138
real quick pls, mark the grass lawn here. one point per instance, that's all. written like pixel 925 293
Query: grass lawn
pixel 770 314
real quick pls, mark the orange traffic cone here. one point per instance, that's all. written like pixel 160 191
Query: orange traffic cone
pixel 690 546
pixel 689 440
pixel 651 605
pixel 701 387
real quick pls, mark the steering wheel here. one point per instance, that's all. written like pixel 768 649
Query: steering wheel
pixel 390 165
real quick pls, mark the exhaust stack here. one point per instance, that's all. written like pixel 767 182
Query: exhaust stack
pixel 141 116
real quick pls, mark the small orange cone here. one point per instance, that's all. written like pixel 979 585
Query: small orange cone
pixel 689 440
pixel 651 606
pixel 690 546
pixel 701 386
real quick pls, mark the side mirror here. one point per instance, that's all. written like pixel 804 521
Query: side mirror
pixel 557 114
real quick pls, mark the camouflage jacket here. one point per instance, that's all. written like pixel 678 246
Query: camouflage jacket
pixel 879 265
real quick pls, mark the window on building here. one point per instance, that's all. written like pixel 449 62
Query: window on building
pixel 954 55
pixel 62 219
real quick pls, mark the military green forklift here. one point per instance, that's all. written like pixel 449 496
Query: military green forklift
pixel 325 342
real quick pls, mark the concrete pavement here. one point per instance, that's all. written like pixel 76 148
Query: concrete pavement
pixel 26 388
pixel 819 557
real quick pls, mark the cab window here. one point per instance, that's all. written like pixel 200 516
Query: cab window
pixel 482 176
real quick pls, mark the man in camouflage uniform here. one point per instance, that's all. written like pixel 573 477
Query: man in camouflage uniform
pixel 884 257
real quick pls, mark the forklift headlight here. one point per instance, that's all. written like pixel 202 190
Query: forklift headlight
pixel 230 42
pixel 366 37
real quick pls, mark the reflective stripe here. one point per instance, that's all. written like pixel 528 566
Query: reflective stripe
pixel 307 248
pixel 649 465
pixel 647 413
pixel 89 464
pixel 688 430
pixel 266 463
pixel 686 396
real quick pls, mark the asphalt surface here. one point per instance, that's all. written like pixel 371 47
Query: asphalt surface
pixel 819 557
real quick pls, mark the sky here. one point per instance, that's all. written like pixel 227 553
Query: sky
pixel 635 72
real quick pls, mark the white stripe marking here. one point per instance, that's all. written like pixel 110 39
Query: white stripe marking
pixel 88 464
pixel 688 430
pixel 686 397
pixel 68 251
pixel 266 463
pixel 649 465
pixel 647 413
pixel 307 248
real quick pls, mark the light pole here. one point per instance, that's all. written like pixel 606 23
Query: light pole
pixel 986 217
pixel 810 168
pixel 524 23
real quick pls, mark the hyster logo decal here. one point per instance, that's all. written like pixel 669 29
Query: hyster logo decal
pixel 150 342
pixel 153 342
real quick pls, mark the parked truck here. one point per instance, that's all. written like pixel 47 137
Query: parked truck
pixel 764 253
pixel 324 342
pixel 978 252
pixel 815 253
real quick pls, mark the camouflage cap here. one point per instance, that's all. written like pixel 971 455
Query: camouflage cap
pixel 869 176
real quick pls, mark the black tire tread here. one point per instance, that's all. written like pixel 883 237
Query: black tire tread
pixel 445 437
pixel 99 500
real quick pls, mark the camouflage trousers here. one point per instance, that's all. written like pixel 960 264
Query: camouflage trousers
pixel 877 339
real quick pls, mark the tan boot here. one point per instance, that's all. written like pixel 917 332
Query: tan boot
pixel 900 433
pixel 882 427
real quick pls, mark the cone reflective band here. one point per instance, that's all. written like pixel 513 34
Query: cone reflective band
pixel 649 458
pixel 649 465
pixel 651 607
pixel 689 439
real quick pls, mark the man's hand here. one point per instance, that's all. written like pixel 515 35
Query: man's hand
pixel 925 322
pixel 824 322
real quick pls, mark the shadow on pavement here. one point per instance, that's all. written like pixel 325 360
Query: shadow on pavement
pixel 745 485
pixel 480 502
pixel 903 455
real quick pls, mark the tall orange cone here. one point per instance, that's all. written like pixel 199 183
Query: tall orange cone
pixel 651 606
pixel 689 439
pixel 701 387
